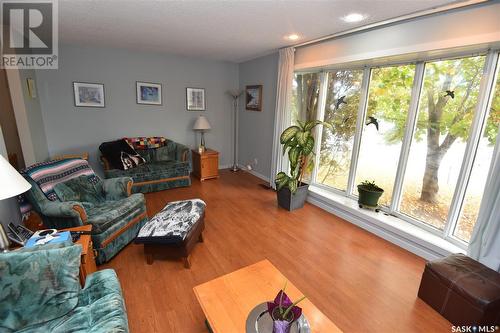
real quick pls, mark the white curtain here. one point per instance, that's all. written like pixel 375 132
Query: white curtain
pixel 484 245
pixel 282 118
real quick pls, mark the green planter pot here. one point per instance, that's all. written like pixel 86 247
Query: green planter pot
pixel 368 198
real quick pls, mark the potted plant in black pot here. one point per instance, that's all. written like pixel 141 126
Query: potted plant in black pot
pixel 299 142
pixel 369 193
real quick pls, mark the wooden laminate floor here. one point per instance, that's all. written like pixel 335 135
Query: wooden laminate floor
pixel 361 282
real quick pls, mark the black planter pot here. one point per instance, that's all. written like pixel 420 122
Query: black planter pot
pixel 291 201
pixel 368 198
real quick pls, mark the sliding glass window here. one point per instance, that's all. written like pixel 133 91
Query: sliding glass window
pixel 384 126
pixel 341 109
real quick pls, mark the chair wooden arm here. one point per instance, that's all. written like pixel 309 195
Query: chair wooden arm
pixel 83 156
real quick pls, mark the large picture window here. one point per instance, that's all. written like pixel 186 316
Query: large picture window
pixel 305 91
pixel 426 134
pixel 384 126
pixel 341 108
pixel 482 160
pixel 446 109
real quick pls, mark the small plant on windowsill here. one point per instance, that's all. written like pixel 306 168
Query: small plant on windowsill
pixel 298 141
pixel 369 193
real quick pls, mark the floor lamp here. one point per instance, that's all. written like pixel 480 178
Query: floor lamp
pixel 235 94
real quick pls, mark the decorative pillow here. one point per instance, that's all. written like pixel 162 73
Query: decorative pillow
pixel 121 155
pixel 81 189
pixel 38 286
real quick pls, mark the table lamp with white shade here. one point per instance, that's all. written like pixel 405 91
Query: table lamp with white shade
pixel 201 124
pixel 11 184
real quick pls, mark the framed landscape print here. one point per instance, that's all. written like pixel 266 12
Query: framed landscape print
pixel 89 94
pixel 253 98
pixel 149 93
pixel 195 99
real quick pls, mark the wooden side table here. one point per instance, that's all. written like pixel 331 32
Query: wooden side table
pixel 87 263
pixel 206 164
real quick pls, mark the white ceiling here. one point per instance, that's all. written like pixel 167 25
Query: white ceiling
pixel 221 30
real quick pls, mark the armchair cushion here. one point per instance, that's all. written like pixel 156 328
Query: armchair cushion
pixel 81 189
pixel 109 213
pixel 38 286
pixel 101 307
pixel 117 188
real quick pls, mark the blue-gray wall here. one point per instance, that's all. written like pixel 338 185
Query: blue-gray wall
pixel 256 128
pixel 35 119
pixel 71 129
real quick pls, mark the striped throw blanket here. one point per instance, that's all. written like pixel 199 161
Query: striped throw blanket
pixel 47 174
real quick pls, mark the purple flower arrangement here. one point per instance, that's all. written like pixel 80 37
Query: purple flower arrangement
pixel 283 311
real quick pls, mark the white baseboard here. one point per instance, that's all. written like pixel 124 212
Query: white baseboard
pixel 401 233
pixel 253 172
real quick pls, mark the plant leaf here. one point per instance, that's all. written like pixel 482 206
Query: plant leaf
pixel 280 176
pixel 328 125
pixel 311 124
pixel 289 144
pixel 301 124
pixel 282 182
pixel 288 134
pixel 292 185
pixel 295 171
pixel 293 155
pixel 302 137
pixel 309 146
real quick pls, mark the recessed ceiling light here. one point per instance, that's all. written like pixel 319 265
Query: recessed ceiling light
pixel 292 37
pixel 353 17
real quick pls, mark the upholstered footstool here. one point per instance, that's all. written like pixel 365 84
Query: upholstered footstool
pixel 462 290
pixel 174 231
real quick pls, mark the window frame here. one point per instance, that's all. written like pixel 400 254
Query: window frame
pixel 484 100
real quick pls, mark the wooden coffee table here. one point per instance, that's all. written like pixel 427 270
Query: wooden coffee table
pixel 227 300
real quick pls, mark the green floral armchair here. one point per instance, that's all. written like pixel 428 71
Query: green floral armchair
pixel 116 215
pixel 40 292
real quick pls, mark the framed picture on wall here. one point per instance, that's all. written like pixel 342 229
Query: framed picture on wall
pixel 89 94
pixel 195 99
pixel 253 99
pixel 149 93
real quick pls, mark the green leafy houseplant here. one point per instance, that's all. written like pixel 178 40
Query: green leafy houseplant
pixel 299 142
pixel 371 186
pixel 369 193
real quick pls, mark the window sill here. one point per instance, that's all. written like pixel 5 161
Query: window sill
pixel 406 235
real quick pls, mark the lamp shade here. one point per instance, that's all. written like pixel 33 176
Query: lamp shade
pixel 11 182
pixel 201 124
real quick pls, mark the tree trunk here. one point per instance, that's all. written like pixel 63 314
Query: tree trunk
pixel 430 182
